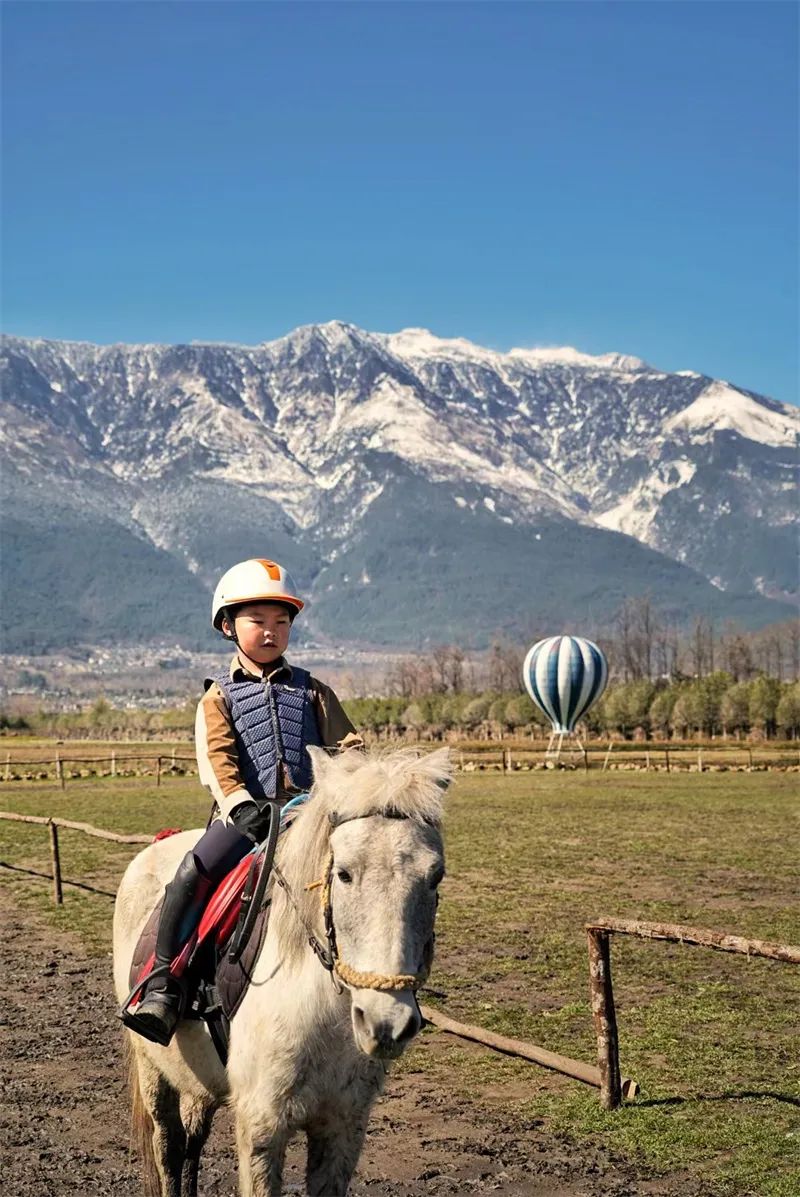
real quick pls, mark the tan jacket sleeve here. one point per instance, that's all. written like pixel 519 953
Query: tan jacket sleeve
pixel 217 758
pixel 335 728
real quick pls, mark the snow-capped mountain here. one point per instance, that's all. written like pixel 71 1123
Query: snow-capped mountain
pixel 392 471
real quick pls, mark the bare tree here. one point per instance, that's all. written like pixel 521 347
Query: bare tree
pixel 735 652
pixel 447 664
pixel 792 642
pixel 440 661
pixel 455 679
pixel 504 667
pixel 701 646
pixel 638 630
pixel 623 625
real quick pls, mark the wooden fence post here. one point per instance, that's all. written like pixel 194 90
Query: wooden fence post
pixel 699 760
pixel 666 758
pixel 605 1019
pixel 647 760
pixel 113 764
pixel 158 771
pixel 55 858
pixel 750 759
pixel 8 767
pixel 60 775
pixel 608 754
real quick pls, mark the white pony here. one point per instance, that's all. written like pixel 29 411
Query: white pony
pixel 308 1047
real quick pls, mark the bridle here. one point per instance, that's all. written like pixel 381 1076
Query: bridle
pixel 328 953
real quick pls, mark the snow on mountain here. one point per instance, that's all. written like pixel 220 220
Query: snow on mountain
pixel 567 356
pixel 635 513
pixel 721 406
pixel 420 343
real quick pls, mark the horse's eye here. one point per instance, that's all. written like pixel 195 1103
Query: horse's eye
pixel 344 876
pixel 436 879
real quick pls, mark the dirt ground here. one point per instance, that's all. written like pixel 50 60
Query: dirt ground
pixel 64 1116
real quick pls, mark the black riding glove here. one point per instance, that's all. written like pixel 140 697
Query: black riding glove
pixel 250 821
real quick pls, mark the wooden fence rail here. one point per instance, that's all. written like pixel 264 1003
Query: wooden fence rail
pixel 55 854
pixel 113 762
pixel 603 1011
pixel 526 1051
pixel 504 759
pixel 98 760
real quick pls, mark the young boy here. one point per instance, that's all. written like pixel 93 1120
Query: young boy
pixel 253 727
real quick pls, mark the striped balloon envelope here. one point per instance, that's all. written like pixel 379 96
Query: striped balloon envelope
pixel 564 675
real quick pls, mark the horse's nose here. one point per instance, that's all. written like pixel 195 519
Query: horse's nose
pixel 407 1033
pixel 385 1038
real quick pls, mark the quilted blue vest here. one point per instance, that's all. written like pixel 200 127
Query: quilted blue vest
pixel 274 723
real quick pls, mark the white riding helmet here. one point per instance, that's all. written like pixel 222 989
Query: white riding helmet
pixel 253 581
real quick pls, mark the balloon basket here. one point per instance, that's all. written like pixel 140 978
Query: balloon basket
pixel 555 747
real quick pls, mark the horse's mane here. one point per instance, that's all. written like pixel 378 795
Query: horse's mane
pixel 352 785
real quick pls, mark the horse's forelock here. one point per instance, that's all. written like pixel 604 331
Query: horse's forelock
pixel 401 783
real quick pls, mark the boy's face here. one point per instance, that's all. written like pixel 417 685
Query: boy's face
pixel 262 630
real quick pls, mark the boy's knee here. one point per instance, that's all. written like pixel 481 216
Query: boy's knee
pixel 222 847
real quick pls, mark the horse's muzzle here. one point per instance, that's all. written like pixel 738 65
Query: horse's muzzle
pixel 384 1028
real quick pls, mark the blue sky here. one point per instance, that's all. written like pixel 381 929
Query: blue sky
pixel 614 176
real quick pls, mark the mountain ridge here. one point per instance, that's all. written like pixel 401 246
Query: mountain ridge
pixel 177 444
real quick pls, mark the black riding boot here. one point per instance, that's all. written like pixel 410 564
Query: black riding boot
pixel 185 898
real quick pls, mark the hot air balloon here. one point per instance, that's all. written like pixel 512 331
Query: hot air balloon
pixel 564 676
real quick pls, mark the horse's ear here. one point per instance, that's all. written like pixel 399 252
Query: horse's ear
pixel 439 766
pixel 320 761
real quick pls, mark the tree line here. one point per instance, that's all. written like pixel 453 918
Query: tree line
pixel 666 682
pixel 714 705
pixel 639 645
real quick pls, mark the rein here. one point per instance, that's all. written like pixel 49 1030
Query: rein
pixel 328 956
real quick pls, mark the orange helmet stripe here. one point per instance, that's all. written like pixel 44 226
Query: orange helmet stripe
pixel 272 569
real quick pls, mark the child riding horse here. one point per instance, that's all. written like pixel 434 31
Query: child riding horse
pixel 254 726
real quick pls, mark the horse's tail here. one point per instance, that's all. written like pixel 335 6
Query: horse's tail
pixel 142 1128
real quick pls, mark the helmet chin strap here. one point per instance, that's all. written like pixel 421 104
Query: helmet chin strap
pixel 228 614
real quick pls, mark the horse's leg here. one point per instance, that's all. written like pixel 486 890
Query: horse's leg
pixel 334 1145
pixel 262 1149
pixel 158 1128
pixel 196 1116
pixel 169 1139
pixel 167 1142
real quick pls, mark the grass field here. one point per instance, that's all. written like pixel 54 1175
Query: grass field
pixel 711 1038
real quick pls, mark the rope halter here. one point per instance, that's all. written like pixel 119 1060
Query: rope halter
pixel 346 973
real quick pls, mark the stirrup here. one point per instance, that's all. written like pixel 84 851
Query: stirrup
pixel 150 1025
pixel 131 1018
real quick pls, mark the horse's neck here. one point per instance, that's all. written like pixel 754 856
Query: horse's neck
pixel 296 977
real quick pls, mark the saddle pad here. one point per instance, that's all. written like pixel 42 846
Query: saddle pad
pixel 232 980
pixel 145 948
